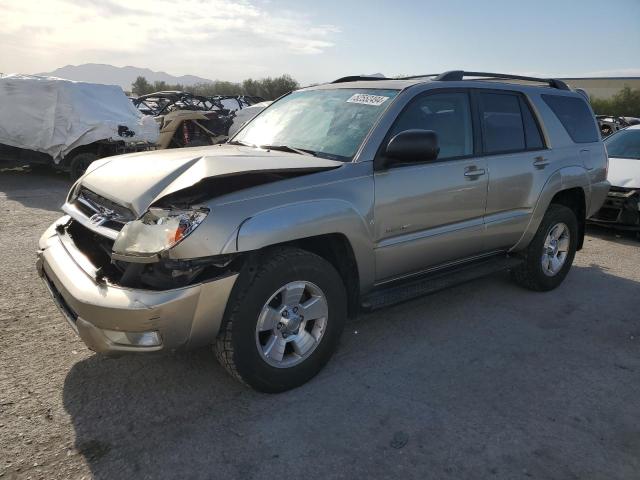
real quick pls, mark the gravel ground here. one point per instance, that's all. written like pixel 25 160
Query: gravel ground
pixel 484 380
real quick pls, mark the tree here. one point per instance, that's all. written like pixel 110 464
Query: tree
pixel 267 88
pixel 270 88
pixel 141 86
pixel 625 103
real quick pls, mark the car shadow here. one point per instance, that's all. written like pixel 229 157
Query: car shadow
pixel 433 387
pixel 40 187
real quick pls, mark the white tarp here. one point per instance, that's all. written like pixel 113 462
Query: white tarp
pixel 246 114
pixel 54 116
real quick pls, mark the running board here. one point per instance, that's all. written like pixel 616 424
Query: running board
pixel 402 291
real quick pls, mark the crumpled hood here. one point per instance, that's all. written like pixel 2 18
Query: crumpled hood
pixel 139 179
pixel 624 172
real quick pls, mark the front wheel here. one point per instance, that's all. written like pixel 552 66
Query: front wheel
pixel 549 256
pixel 282 326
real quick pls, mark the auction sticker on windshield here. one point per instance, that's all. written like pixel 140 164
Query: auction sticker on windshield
pixel 366 99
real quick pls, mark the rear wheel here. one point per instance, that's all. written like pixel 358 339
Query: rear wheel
pixel 285 323
pixel 79 164
pixel 550 254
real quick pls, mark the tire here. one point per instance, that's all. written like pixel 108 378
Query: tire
pixel 606 130
pixel 238 346
pixel 532 274
pixel 79 164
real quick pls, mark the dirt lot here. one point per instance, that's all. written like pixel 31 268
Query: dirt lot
pixel 485 380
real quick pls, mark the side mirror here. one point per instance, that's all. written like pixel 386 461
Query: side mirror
pixel 412 146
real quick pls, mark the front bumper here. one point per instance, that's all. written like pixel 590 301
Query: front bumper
pixel 184 317
pixel 621 209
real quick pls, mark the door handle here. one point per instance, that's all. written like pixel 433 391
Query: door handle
pixel 472 172
pixel 540 162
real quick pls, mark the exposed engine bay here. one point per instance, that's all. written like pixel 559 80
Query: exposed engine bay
pixel 164 274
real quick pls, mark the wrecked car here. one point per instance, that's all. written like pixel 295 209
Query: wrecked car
pixel 188 120
pixel 610 124
pixel 66 124
pixel 621 208
pixel 336 198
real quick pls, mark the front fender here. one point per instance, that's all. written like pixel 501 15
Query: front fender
pixel 309 219
pixel 562 179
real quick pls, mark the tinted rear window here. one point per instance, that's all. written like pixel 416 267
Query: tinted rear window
pixel 575 116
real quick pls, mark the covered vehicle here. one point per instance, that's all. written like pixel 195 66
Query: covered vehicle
pixel 622 206
pixel 68 124
pixel 188 120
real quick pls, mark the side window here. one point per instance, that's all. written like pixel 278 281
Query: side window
pixel 575 116
pixel 447 114
pixel 532 134
pixel 502 125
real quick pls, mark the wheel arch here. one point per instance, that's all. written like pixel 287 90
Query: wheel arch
pixel 569 186
pixel 575 199
pixel 332 229
pixel 336 249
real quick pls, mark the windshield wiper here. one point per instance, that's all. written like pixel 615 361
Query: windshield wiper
pixel 240 142
pixel 287 148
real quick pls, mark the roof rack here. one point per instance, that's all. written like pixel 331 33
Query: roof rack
pixel 356 78
pixel 457 75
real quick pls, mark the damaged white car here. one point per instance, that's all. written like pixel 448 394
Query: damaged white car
pixel 621 208
pixel 47 120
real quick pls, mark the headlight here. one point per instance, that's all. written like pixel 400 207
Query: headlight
pixel 157 230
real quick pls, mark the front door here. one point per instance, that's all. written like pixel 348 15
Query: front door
pixel 430 214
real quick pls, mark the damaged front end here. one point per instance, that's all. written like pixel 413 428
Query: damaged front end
pixel 154 269
pixel 132 253
pixel 621 209
pixel 118 305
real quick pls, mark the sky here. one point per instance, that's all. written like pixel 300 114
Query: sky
pixel 317 41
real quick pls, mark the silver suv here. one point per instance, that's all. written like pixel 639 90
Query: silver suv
pixel 352 195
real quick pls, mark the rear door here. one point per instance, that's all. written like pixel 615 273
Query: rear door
pixel 431 213
pixel 516 159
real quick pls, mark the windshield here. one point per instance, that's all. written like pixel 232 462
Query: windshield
pixel 327 123
pixel 624 144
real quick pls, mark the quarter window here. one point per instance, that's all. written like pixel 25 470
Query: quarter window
pixel 575 116
pixel 447 114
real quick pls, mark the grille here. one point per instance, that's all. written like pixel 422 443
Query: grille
pixel 615 189
pixel 607 214
pixel 105 212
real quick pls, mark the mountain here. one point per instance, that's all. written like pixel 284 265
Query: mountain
pixel 123 76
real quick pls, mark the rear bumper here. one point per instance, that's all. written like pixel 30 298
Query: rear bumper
pixel 183 318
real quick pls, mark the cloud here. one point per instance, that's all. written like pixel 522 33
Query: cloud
pixel 189 36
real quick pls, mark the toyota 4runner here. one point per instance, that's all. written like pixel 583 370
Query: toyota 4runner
pixel 352 195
